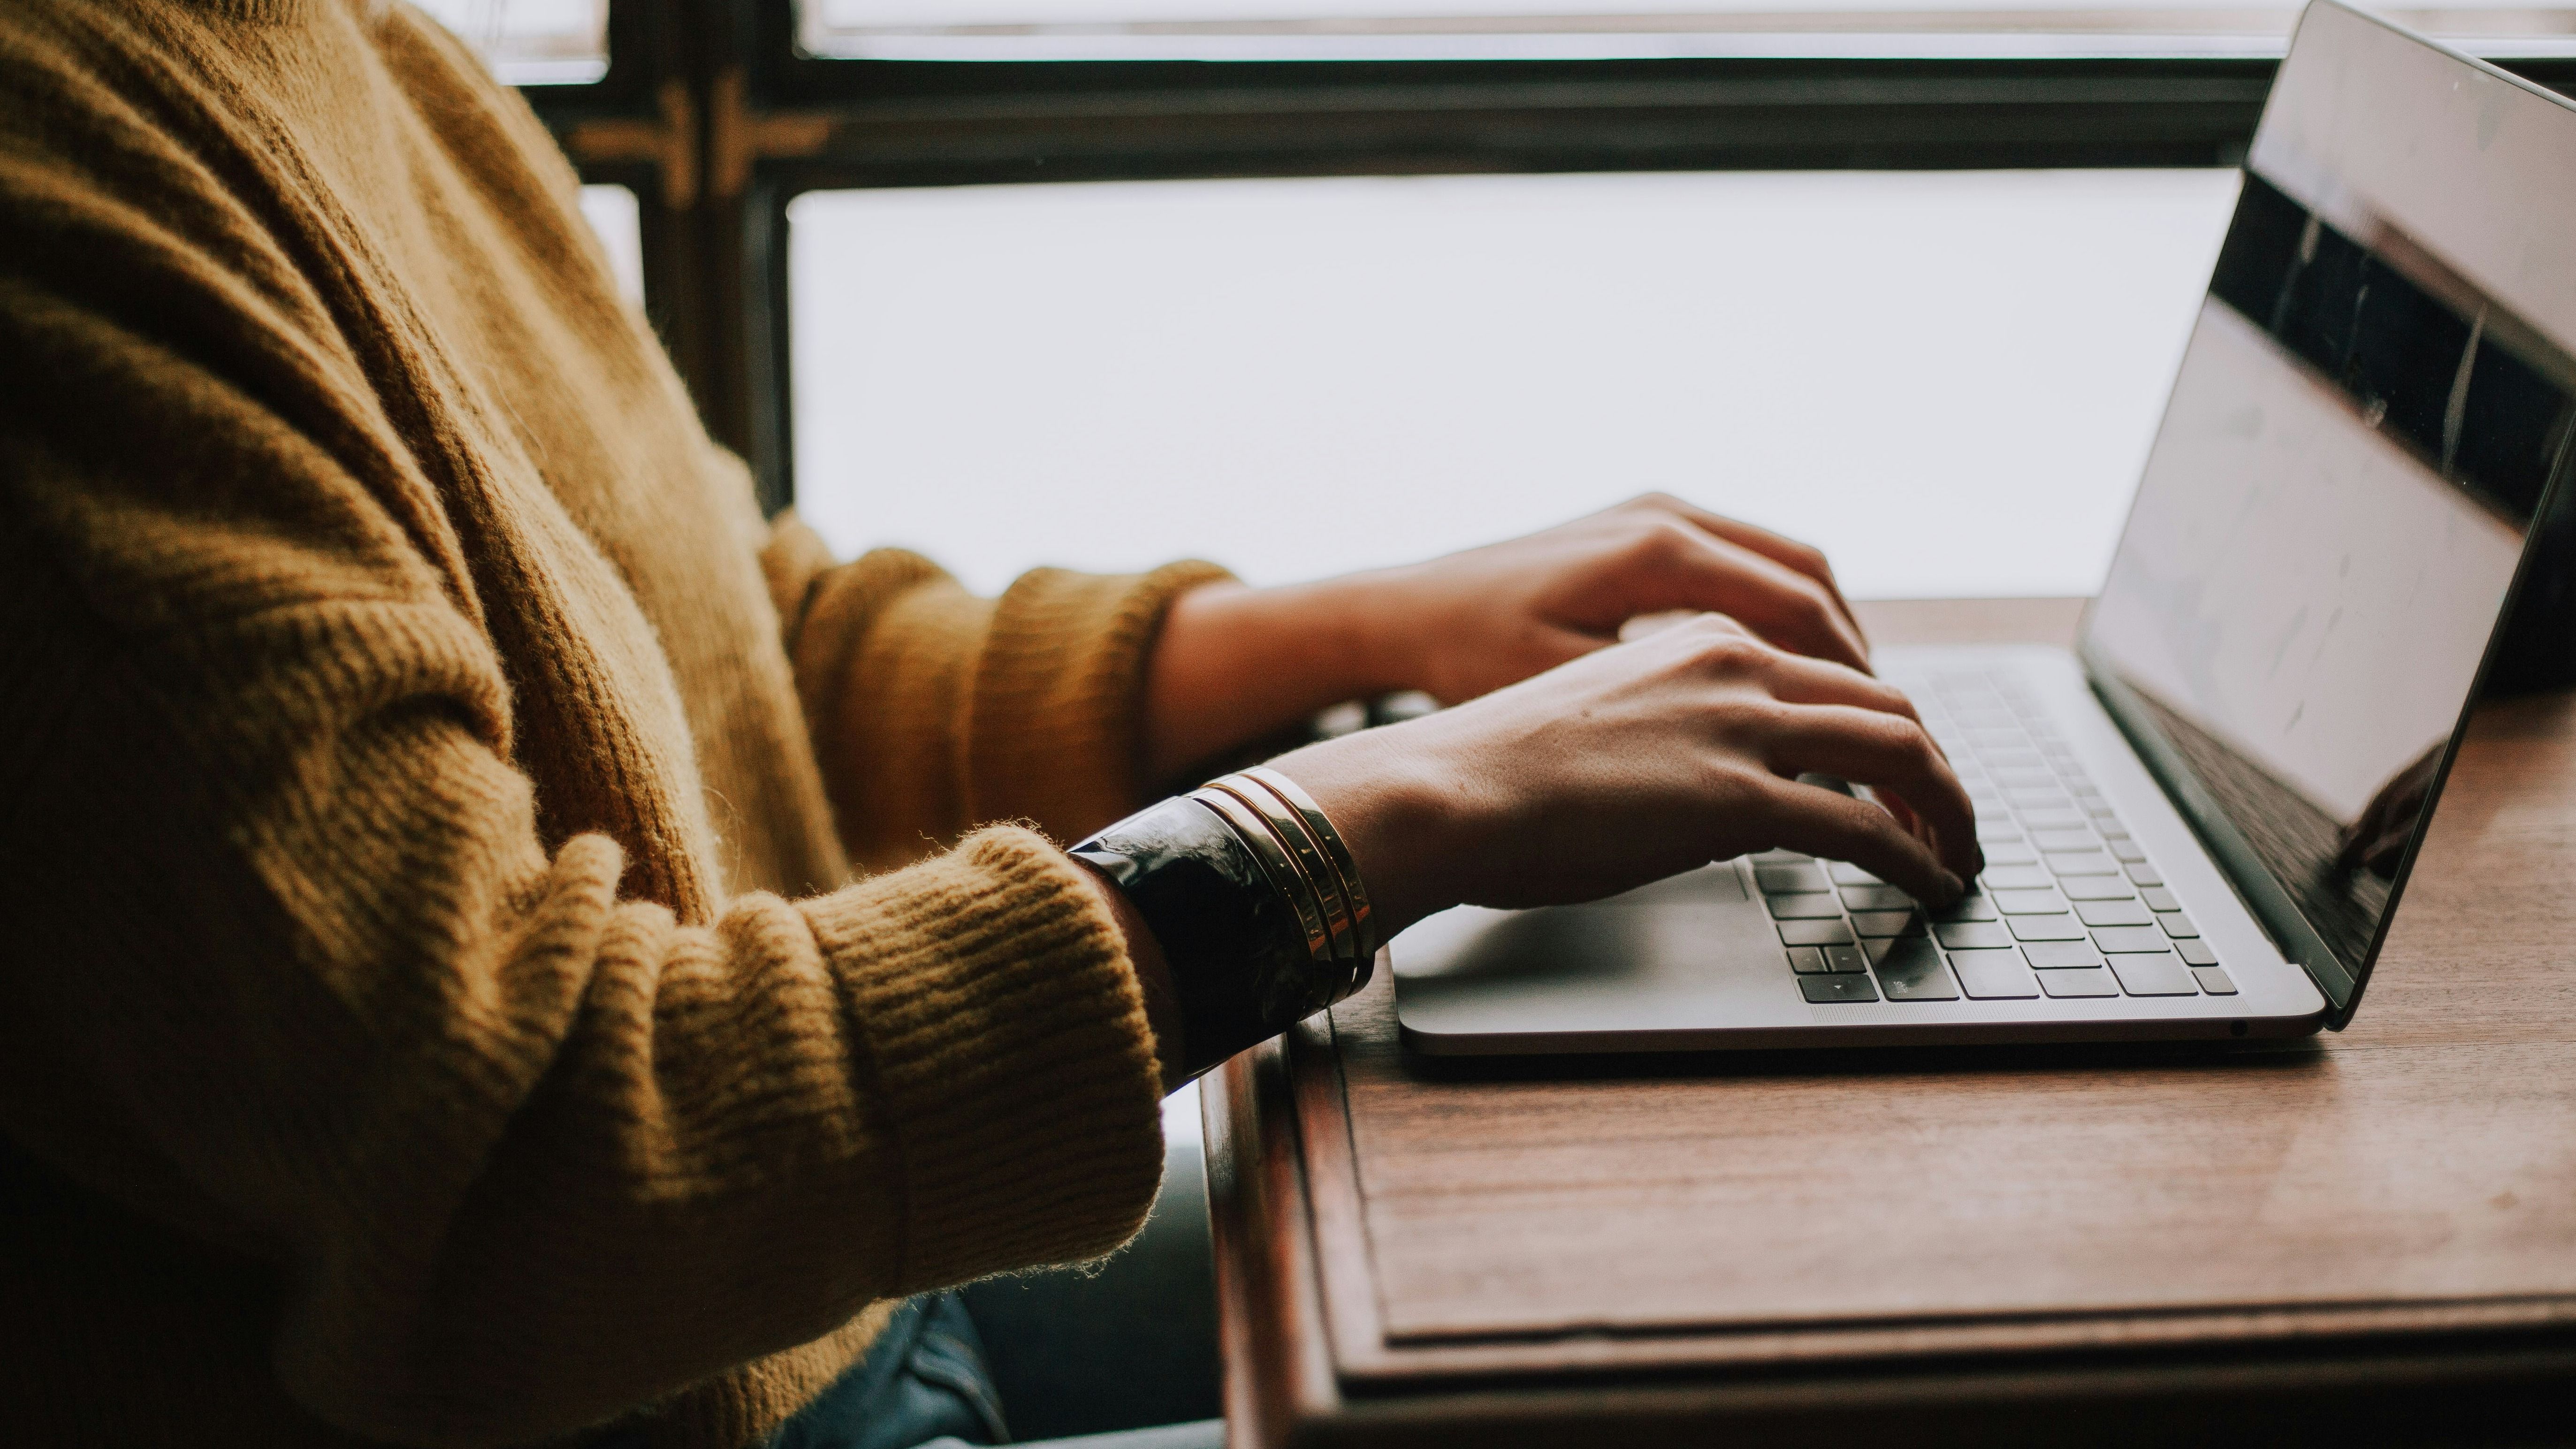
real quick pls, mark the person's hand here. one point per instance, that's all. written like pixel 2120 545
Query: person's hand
pixel 1472 622
pixel 1636 762
pixel 1235 663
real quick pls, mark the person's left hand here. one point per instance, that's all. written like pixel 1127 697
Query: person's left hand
pixel 1234 663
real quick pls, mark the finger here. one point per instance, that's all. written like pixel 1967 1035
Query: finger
pixel 1646 626
pixel 1893 756
pixel 1786 552
pixel 1821 822
pixel 1799 679
pixel 1687 569
pixel 1795 679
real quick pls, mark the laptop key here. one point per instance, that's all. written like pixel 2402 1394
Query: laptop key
pixel 1998 832
pixel 1913 972
pixel 1887 923
pixel 1844 960
pixel 2177 925
pixel 2028 903
pixel 1807 961
pixel 2115 939
pixel 1789 877
pixel 2093 981
pixel 2156 975
pixel 1973 935
pixel 2214 980
pixel 1877 898
pixel 2014 877
pixel 2044 821
pixel 1994 975
pixel 2063 839
pixel 1969 908
pixel 2143 874
pixel 2160 899
pixel 2129 850
pixel 1807 906
pixel 1847 874
pixel 2046 928
pixel 1823 990
pixel 2096 888
pixel 2061 955
pixel 2115 913
pixel 2196 953
pixel 2009 853
pixel 1815 933
pixel 2082 862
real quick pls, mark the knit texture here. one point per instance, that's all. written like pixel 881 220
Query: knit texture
pixel 439 1007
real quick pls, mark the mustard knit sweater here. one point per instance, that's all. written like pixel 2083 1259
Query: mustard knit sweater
pixel 437 1007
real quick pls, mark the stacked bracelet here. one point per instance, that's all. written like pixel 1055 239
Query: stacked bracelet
pixel 1321 866
pixel 1255 901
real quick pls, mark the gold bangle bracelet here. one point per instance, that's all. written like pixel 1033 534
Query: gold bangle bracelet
pixel 1320 826
pixel 1290 828
pixel 1292 885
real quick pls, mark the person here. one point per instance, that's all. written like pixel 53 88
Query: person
pixel 510 945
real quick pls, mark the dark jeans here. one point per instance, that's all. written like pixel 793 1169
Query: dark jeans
pixel 1094 1353
pixel 925 1385
pixel 1077 1358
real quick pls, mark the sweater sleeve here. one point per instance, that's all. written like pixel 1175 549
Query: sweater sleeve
pixel 933 710
pixel 294 973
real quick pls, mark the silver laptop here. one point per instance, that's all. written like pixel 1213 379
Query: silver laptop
pixel 2198 823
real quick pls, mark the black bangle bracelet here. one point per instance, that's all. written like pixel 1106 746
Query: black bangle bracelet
pixel 1237 949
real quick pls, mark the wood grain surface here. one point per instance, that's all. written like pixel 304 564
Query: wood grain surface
pixel 1438 1244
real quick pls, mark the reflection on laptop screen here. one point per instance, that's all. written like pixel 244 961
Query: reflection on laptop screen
pixel 2377 394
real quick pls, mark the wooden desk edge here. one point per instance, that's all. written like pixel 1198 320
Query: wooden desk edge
pixel 1301 1371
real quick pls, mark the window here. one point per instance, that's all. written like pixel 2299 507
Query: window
pixel 1948 380
pixel 718 115
pixel 617 217
pixel 532 42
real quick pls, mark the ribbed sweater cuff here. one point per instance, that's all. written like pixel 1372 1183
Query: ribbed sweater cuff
pixel 1059 706
pixel 1009 1040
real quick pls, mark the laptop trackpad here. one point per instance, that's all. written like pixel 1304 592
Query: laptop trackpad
pixel 1694 950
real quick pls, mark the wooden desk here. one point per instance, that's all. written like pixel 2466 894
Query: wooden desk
pixel 2370 1236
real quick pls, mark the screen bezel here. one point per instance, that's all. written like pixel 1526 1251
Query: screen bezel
pixel 2261 891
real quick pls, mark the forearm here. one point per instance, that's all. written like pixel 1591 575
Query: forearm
pixel 1236 664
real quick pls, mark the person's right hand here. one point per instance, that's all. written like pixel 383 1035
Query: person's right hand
pixel 1637 762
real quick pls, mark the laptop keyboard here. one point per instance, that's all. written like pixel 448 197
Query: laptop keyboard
pixel 2069 907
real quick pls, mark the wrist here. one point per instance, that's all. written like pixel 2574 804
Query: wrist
pixel 1397 810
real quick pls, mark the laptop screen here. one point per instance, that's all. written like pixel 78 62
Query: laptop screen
pixel 2377 395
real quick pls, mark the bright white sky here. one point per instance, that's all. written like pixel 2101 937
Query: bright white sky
pixel 1948 380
